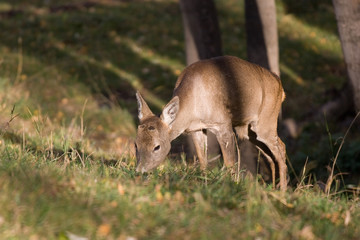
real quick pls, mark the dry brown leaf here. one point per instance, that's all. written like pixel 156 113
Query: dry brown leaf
pixel 103 230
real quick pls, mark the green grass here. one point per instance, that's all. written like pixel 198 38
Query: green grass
pixel 49 198
pixel 67 159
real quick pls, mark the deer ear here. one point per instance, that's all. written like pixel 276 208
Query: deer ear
pixel 143 109
pixel 170 111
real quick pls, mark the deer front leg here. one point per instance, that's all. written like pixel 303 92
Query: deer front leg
pixel 200 142
pixel 226 139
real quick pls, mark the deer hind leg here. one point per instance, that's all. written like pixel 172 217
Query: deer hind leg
pixel 200 143
pixel 271 164
pixel 280 149
pixel 226 138
pixel 274 151
pixel 243 133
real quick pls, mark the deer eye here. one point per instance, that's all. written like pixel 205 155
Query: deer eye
pixel 151 128
pixel 157 148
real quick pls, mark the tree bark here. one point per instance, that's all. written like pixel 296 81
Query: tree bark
pixel 348 21
pixel 261 34
pixel 201 29
pixel 202 41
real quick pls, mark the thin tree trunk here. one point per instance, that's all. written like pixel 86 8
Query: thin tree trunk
pixel 201 28
pixel 202 41
pixel 261 34
pixel 348 20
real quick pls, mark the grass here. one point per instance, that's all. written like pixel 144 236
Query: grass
pixel 52 198
pixel 68 76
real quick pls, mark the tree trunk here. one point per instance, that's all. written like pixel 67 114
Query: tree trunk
pixel 201 28
pixel 261 34
pixel 348 20
pixel 202 41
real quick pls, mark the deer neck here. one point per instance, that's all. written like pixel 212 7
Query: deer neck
pixel 180 125
pixel 176 130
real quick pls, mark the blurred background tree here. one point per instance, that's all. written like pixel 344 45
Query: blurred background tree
pixel 348 22
pixel 261 34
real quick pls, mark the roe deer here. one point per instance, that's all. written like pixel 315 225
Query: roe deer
pixel 218 94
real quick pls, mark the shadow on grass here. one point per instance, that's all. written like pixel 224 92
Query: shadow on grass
pixel 82 157
pixel 318 13
pixel 91 42
pixel 115 48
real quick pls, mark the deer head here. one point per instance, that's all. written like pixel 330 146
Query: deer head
pixel 152 142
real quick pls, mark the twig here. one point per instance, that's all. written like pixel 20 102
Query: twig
pixel 281 200
pixel 302 179
pixel 214 158
pixel 7 124
pixel 292 168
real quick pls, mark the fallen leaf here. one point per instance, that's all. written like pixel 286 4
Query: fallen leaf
pixel 64 101
pixel 113 204
pixel 121 189
pixel 103 230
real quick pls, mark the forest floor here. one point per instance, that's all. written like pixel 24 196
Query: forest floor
pixel 68 75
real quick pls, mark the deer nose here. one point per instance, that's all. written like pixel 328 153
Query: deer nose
pixel 140 169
